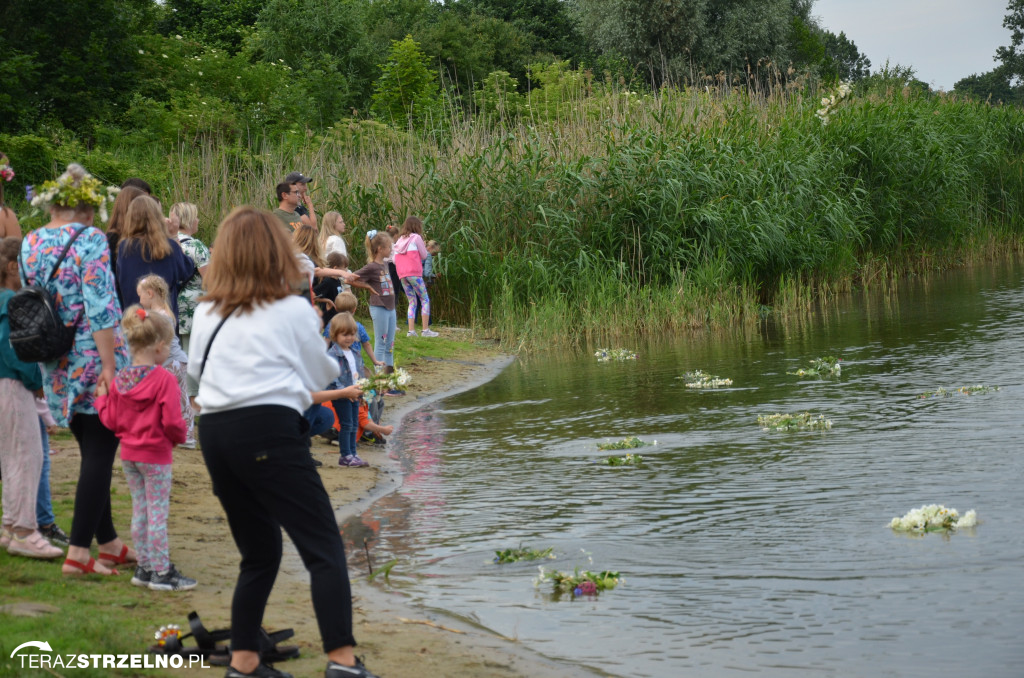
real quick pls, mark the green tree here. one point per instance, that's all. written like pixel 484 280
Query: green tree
pixel 407 92
pixel 994 86
pixel 73 61
pixel 1012 56
pixel 215 23
pixel 842 60
pixel 684 39
pixel 551 27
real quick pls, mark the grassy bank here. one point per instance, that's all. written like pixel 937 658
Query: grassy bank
pixel 606 212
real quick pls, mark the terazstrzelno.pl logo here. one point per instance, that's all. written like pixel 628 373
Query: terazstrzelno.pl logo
pixel 59 660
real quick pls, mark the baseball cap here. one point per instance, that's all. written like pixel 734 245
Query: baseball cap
pixel 296 178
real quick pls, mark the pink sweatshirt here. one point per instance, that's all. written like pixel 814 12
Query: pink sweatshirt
pixel 145 413
pixel 408 253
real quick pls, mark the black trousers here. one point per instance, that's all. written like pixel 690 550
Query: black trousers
pixel 263 474
pixel 98 447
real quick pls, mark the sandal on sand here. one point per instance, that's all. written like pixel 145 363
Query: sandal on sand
pixel 86 569
pixel 123 559
pixel 206 643
pixel 271 652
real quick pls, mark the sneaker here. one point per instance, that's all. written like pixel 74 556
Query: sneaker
pixel 142 577
pixel 57 536
pixel 189 444
pixel 412 333
pixel 352 460
pixel 336 670
pixel 394 392
pixel 171 580
pixel 33 546
pixel 261 671
pixel 429 333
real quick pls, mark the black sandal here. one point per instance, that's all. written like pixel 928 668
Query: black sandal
pixel 206 643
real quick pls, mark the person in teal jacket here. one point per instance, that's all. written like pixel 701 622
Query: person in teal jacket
pixel 21 449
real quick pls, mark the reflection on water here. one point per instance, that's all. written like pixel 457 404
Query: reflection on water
pixel 743 551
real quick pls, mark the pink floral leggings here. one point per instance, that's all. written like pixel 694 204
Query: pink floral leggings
pixel 416 290
pixel 150 485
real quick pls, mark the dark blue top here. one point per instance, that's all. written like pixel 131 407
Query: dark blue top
pixel 176 269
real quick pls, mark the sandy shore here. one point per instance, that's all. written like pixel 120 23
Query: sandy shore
pixel 397 641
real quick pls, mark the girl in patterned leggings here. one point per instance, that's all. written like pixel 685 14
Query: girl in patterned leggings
pixel 143 410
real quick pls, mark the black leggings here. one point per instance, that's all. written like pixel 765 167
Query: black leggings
pixel 98 447
pixel 263 474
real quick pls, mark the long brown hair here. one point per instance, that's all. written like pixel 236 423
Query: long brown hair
pixel 410 226
pixel 308 241
pixel 119 213
pixel 253 262
pixel 146 229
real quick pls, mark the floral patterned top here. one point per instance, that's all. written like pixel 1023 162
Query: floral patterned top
pixel 190 292
pixel 83 290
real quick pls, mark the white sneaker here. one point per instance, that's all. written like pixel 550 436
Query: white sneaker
pixel 430 333
pixel 412 333
pixel 33 545
pixel 189 444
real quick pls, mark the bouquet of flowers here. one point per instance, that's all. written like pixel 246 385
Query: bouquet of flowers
pixel 829 366
pixel 803 421
pixel 625 460
pixel 933 518
pixel 580 582
pixel 964 390
pixel 382 383
pixel 701 379
pixel 630 443
pixel 604 355
pixel 518 554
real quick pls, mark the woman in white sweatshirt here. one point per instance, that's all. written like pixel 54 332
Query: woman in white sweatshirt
pixel 257 354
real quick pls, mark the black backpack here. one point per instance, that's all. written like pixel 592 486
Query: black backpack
pixel 38 335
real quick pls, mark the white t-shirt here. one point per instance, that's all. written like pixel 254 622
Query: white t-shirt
pixel 271 356
pixel 335 243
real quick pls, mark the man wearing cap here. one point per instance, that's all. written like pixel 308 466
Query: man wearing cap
pixel 305 207
pixel 288 197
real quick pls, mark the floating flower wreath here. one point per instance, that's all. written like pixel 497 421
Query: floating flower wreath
pixel 829 366
pixel 963 390
pixel 630 443
pixel 604 355
pixel 933 518
pixel 701 379
pixel 382 383
pixel 625 460
pixel 580 582
pixel 803 421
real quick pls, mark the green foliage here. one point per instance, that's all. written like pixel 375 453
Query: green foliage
pixel 630 443
pixel 993 87
pixel 406 93
pixel 498 98
pixel 1012 55
pixel 842 60
pixel 222 24
pixel 522 553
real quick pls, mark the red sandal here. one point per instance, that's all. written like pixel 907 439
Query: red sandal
pixel 111 559
pixel 86 569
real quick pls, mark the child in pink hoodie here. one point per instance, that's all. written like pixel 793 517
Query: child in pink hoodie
pixel 409 253
pixel 143 410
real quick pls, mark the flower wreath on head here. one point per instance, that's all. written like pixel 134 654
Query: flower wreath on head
pixel 62 191
pixel 6 171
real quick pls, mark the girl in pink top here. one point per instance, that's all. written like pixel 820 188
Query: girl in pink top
pixel 143 409
pixel 409 253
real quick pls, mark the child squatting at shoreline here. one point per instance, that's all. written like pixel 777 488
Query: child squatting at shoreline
pixel 143 408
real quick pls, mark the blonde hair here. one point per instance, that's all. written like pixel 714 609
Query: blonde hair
pixel 306 240
pixel 146 230
pixel 143 329
pixel 346 302
pixel 186 212
pixel 343 322
pixel 252 262
pixel 432 246
pixel 376 244
pixel 158 286
pixel 327 227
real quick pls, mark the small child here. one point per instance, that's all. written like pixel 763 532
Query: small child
pixel 343 336
pixel 346 302
pixel 143 409
pixel 153 296
pixel 328 287
pixel 433 250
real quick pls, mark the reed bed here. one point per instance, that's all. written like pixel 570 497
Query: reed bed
pixel 607 213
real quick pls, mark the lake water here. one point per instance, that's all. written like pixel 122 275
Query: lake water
pixel 743 551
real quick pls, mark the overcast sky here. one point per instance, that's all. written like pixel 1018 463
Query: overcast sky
pixel 943 40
